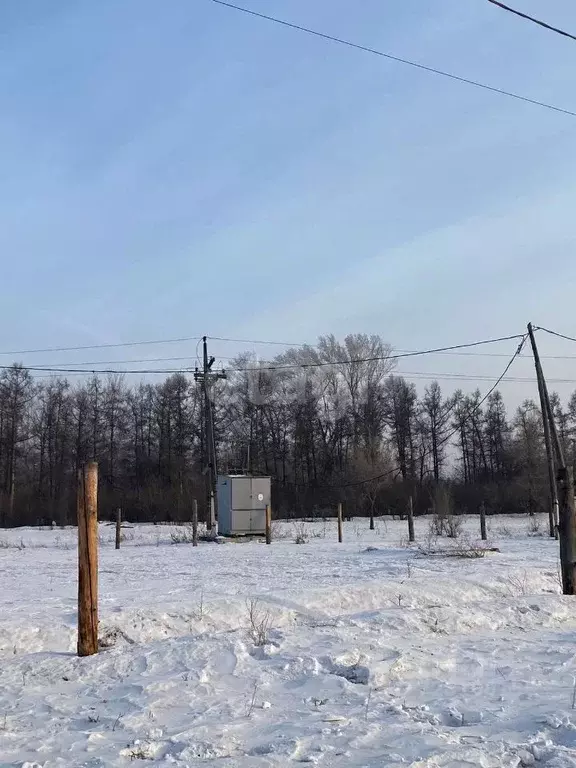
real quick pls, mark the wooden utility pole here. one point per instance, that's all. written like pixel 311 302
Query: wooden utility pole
pixel 210 461
pixel 567 529
pixel 194 523
pixel 563 491
pixel 268 524
pixel 207 378
pixel 340 522
pixel 87 508
pixel 544 407
pixel 483 522
pixel 118 527
pixel 411 536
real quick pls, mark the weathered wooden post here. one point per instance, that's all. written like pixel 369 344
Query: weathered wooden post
pixel 340 522
pixel 118 527
pixel 87 508
pixel 194 523
pixel 483 521
pixel 411 536
pixel 268 524
pixel 567 527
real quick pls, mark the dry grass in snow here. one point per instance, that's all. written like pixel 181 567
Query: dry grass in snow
pixel 442 654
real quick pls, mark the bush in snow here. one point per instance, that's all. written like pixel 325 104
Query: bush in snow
pixel 444 522
pixel 300 533
pixel 182 535
pixel 464 549
pixel 259 622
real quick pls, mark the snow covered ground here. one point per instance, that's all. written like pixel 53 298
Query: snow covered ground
pixel 374 655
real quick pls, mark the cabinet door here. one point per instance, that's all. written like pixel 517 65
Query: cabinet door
pixel 241 521
pixel 258 521
pixel 241 493
pixel 260 492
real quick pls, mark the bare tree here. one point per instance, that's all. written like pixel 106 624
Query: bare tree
pixel 400 411
pixel 529 454
pixel 329 423
pixel 16 393
pixel 435 418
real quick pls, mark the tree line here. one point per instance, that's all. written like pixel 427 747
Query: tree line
pixel 329 423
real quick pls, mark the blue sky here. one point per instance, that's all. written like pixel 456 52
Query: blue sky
pixel 177 168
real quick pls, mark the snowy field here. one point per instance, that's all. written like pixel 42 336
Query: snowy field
pixel 359 655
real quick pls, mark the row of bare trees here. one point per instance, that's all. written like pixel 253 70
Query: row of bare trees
pixel 330 423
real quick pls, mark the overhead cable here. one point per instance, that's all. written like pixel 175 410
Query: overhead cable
pixel 532 19
pixel 398 59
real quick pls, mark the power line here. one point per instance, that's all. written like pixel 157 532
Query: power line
pixel 445 376
pixel 493 354
pixel 299 345
pixel 492 389
pixel 54 374
pixel 376 358
pixel 503 375
pixel 398 59
pixel 131 361
pixel 440 443
pixel 352 484
pixel 147 342
pixel 465 377
pixel 531 18
pixel 468 345
pixel 555 333
pixel 499 355
pixel 408 375
pixel 102 346
pixel 411 354
pixel 318 364
pixel 126 362
pixel 256 341
pixel 47 368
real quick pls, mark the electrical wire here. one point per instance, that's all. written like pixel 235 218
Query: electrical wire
pixel 380 476
pixel 319 364
pixel 398 59
pixel 490 354
pixel 396 355
pixel 55 376
pixel 554 333
pixel 270 362
pixel 447 437
pixel 102 346
pixel 468 345
pixel 503 374
pixel 376 358
pixel 125 362
pixel 44 369
pixel 477 377
pixel 442 442
pixel 492 389
pixel 256 341
pixel 408 376
pixel 352 484
pixel 117 345
pixel 531 18
pixel 459 376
